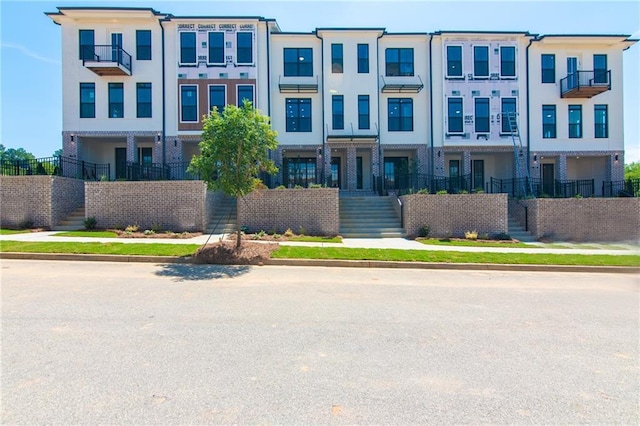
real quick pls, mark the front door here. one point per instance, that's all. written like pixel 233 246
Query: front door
pixel 116 47
pixel 334 178
pixel 572 72
pixel 478 174
pixel 396 172
pixel 454 175
pixel 121 163
pixel 548 179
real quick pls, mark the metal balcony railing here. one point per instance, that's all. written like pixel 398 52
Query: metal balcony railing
pixel 106 54
pixel 585 84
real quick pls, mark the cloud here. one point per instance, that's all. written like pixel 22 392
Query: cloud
pixel 30 53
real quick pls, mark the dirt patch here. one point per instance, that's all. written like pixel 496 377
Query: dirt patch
pixel 225 253
pixel 162 235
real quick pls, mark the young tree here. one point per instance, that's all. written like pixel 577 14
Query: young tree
pixel 234 150
pixel 632 171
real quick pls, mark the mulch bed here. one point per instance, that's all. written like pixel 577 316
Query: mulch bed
pixel 162 235
pixel 225 253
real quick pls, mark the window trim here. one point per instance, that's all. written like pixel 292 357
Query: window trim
pixel 449 131
pixel 251 61
pixel 515 63
pixel 209 86
pixel 114 85
pixel 336 116
pixel 555 121
pixel 399 49
pixel 400 117
pixel 542 68
pixel 578 125
pixel 446 61
pixel 195 49
pixel 253 94
pixel 297 63
pixel 139 46
pixel 197 120
pixel 81 46
pixel 150 87
pixel 478 76
pixel 502 120
pixel 596 108
pixel 92 86
pixel 209 62
pixel 337 61
pixel 475 115
pixel 363 59
pixel 286 118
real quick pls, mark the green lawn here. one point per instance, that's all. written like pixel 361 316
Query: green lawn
pixel 13 231
pixel 471 243
pixel 130 249
pixel 93 234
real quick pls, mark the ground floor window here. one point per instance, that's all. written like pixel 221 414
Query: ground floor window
pixel 478 174
pixel 300 171
pixel 396 172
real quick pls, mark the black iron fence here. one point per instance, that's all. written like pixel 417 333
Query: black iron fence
pixel 412 183
pixel 525 187
pixel 169 171
pixel 621 188
pixel 56 166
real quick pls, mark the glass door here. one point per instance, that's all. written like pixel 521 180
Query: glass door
pixel 548 179
pixel 454 175
pixel 572 72
pixel 334 178
pixel 116 47
pixel 478 174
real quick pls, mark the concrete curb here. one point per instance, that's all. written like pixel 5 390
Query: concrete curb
pixel 333 263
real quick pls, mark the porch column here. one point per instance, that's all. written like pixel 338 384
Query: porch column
pixel 423 160
pixel 465 167
pixel 616 167
pixel 276 156
pixel 327 164
pixel 132 151
pixel 70 145
pixel 173 149
pixel 352 182
pixel 319 164
pixel 438 159
pixel 157 148
pixel 562 167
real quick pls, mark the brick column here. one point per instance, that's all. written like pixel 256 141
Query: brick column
pixel 320 155
pixel 132 153
pixel 465 167
pixel 438 160
pixel 157 148
pixel 351 169
pixel 423 160
pixel 562 167
pixel 616 168
pixel 69 147
pixel 276 156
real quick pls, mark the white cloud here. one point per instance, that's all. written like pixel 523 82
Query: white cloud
pixel 27 52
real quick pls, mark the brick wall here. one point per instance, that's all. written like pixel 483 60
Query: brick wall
pixel 171 205
pixel 25 198
pixel 584 219
pixel 316 210
pixel 66 196
pixel 454 214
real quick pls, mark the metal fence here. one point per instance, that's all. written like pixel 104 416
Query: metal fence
pixel 412 183
pixel 519 188
pixel 621 188
pixel 56 166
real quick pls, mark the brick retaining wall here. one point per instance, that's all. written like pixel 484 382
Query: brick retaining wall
pixel 315 209
pixel 171 205
pixel 454 214
pixel 66 196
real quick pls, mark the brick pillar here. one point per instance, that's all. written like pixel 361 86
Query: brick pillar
pixel 327 163
pixel 69 147
pixel 422 155
pixel 465 167
pixel 320 155
pixel 157 148
pixel 438 160
pixel 616 168
pixel 132 151
pixel 352 183
pixel 278 178
pixel 562 167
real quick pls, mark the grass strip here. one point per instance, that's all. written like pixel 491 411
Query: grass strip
pixel 291 252
pixel 470 243
pixel 14 231
pixel 310 239
pixel 126 249
pixel 92 234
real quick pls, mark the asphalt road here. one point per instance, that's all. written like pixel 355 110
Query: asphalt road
pixel 112 343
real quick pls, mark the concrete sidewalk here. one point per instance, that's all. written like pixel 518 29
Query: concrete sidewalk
pixel 375 243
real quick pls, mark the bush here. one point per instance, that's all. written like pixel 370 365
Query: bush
pixel 155 227
pixel 424 231
pixel 26 224
pixel 463 191
pixel 288 233
pixel 281 187
pixel 131 228
pixel 471 235
pixel 423 191
pixel 149 232
pixel 502 237
pixel 302 231
pixel 442 192
pixel 315 185
pixel 90 223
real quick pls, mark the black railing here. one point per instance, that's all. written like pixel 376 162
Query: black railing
pixel 56 166
pixel 578 79
pixel 137 171
pixel 107 53
pixel 621 188
pixel 542 189
pixel 178 171
pixel 412 183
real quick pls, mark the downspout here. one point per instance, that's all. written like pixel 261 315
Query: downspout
pixel 324 136
pixel 164 101
pixel 380 159
pixel 266 30
pixel 431 165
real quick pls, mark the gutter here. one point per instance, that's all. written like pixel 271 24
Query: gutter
pixel 380 159
pixel 431 165
pixel 528 109
pixel 164 100
pixel 266 30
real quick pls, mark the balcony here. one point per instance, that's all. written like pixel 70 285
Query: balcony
pixel 401 84
pixel 585 84
pixel 107 60
pixel 297 84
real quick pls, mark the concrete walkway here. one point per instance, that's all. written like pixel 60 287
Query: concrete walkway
pixel 376 243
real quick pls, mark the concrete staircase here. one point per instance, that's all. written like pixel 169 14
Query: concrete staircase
pixel 73 222
pixel 224 219
pixel 369 217
pixel 516 231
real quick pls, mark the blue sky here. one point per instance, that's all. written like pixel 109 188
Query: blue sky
pixel 30 71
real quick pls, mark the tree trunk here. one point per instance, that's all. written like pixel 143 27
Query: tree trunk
pixel 238 237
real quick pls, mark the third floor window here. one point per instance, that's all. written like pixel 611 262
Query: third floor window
pixel 187 48
pixel 336 58
pixel 244 48
pixel 481 61
pixel 454 61
pixel 86 44
pixel 548 68
pixel 363 58
pixel 143 45
pixel 507 61
pixel 298 62
pixel 399 62
pixel 216 47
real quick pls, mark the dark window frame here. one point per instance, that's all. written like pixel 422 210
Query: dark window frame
pixel 601 127
pixel 143 50
pixel 508 63
pixel 504 122
pixel 480 65
pixel 549 124
pixel 83 52
pixel 144 109
pixel 214 48
pixel 364 112
pixel 188 109
pixel 575 127
pixel 337 112
pixel 297 123
pixel 484 121
pixel 399 67
pixel 455 123
pixel 224 95
pixel 363 58
pixel 600 74
pixel 87 108
pixel 244 52
pixel 337 58
pixel 548 73
pixel 114 88
pixel 403 122
pixel 297 68
pixel 188 50
pixel 451 63
pixel 243 87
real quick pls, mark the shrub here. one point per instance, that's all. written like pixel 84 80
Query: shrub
pixel 26 224
pixel 288 233
pixel 471 235
pixel 277 236
pixel 131 228
pixel 315 185
pixel 423 191
pixel 281 187
pixel 149 232
pixel 155 227
pixel 578 195
pixel 484 236
pixel 258 235
pixel 442 191
pixel 302 230
pixel 463 191
pixel 297 187
pixel 424 231
pixel 90 223
pixel 502 236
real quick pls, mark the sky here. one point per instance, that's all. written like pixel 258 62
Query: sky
pixel 30 54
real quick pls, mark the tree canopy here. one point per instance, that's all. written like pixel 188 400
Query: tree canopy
pixel 13 154
pixel 632 170
pixel 234 150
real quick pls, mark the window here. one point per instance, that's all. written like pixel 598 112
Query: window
pixel 363 112
pixel 187 48
pixel 216 47
pixel 86 50
pixel 508 107
pixel 245 91
pixel 601 121
pixel 454 61
pixel 336 58
pixel 298 114
pixel 399 62
pixel 116 100
pixel 143 98
pixel 363 58
pixel 143 45
pixel 245 48
pixel 337 111
pixel 145 156
pixel 482 115
pixel 600 72
pixel 507 61
pixel 575 121
pixel 481 61
pixel 455 115
pixel 299 171
pixel 298 62
pixel 87 100
pixel 189 103
pixel 549 68
pixel 217 97
pixel 548 121
pixel 400 114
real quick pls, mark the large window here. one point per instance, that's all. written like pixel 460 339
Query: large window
pixel 86 49
pixel 400 114
pixel 245 91
pixel 601 120
pixel 299 171
pixel 507 61
pixel 481 115
pixel 216 47
pixel 143 100
pixel 363 58
pixel 600 69
pixel 189 103
pixel 143 45
pixel 480 61
pixel 188 48
pixel 337 112
pixel 336 58
pixel 548 121
pixel 245 48
pixel 116 100
pixel 508 107
pixel 87 100
pixel 298 114
pixel 399 62
pixel 217 97
pixel 548 68
pixel 363 112
pixel 575 121
pixel 454 61
pixel 298 62
pixel 454 115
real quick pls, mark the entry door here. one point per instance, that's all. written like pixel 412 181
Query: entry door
pixel 396 171
pixel 454 175
pixel 478 174
pixel 548 179
pixel 572 72
pixel 359 172
pixel 334 181
pixel 121 163
pixel 116 47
